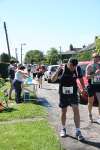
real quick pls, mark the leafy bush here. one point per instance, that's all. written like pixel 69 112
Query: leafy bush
pixel 84 56
pixel 4 96
pixel 2 81
pixel 3 92
pixel 4 70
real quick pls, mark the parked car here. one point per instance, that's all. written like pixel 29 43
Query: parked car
pixel 50 70
pixel 84 97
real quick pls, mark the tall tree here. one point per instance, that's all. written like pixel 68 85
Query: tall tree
pixel 71 47
pixel 97 42
pixel 83 56
pixel 52 56
pixel 4 57
pixel 84 46
pixel 33 56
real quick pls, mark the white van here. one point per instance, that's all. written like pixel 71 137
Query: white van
pixel 50 70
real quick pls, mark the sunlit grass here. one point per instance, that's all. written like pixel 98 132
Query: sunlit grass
pixel 23 110
pixel 36 135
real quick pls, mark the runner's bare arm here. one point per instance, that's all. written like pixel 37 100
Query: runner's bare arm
pixel 55 76
pixel 89 72
pixel 82 83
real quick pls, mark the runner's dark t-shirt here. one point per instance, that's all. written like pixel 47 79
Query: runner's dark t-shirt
pixel 68 78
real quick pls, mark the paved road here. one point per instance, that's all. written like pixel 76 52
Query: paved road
pixel 49 96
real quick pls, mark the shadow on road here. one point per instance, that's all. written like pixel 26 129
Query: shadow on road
pixel 91 143
pixel 42 101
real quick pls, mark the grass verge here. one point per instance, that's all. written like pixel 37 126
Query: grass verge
pixel 23 110
pixel 27 135
pixel 37 135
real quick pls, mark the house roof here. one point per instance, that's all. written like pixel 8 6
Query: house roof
pixel 68 52
pixel 89 47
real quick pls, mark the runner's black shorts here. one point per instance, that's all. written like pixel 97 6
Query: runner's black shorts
pixel 39 75
pixel 92 89
pixel 68 100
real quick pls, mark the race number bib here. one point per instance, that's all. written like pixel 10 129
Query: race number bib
pixel 96 79
pixel 67 90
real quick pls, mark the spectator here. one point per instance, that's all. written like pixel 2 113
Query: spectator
pixel 29 69
pixel 11 73
pixel 34 71
pixel 39 75
pixel 18 80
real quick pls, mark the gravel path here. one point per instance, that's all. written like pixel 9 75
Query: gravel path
pixel 48 96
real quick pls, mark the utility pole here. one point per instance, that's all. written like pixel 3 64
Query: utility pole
pixel 21 53
pixel 16 54
pixel 22 44
pixel 7 39
pixel 60 55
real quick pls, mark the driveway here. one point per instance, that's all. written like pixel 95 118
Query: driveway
pixel 48 96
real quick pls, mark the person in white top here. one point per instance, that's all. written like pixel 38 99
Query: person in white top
pixel 18 80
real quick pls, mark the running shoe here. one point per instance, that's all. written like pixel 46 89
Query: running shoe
pixel 63 132
pixel 79 136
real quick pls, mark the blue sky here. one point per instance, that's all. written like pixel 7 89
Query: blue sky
pixel 43 24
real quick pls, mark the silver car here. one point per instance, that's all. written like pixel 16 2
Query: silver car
pixel 50 70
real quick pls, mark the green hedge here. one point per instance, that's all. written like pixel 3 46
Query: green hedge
pixel 4 70
pixel 2 81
